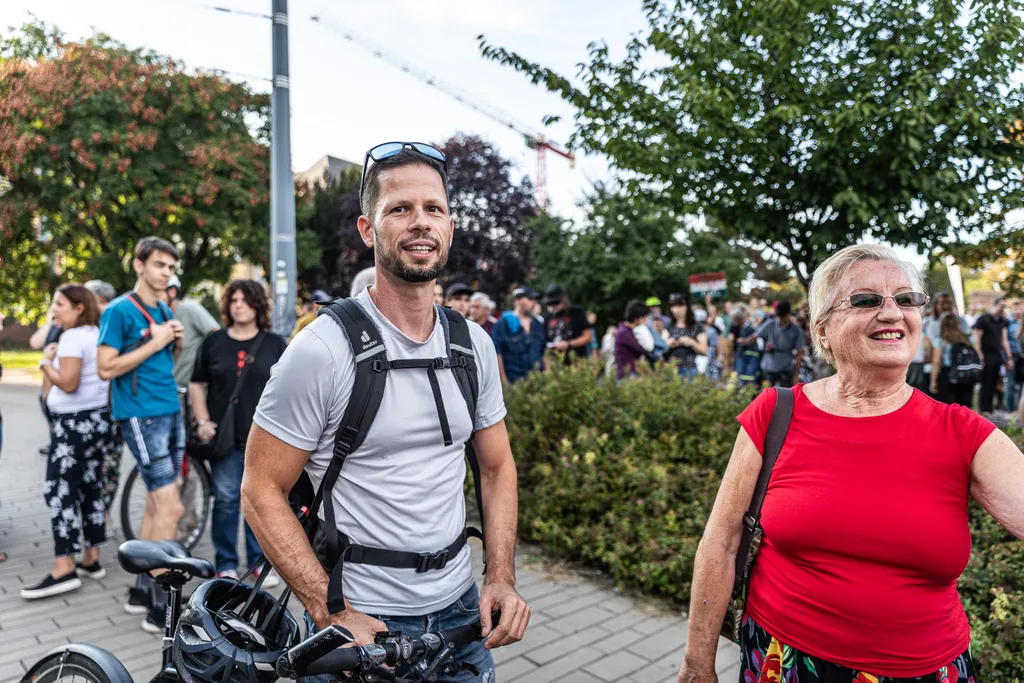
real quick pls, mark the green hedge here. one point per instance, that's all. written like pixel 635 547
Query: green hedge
pixel 623 477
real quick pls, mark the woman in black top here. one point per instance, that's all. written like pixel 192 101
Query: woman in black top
pixel 686 339
pixel 222 356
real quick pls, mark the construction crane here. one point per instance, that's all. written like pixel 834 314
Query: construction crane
pixel 534 140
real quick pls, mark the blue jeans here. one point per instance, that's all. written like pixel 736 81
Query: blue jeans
pixel 462 612
pixel 687 373
pixel 746 368
pixel 158 444
pixel 227 496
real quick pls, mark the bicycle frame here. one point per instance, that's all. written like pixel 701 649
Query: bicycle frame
pixel 173 582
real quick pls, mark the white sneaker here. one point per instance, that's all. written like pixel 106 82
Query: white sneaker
pixel 272 580
pixel 228 574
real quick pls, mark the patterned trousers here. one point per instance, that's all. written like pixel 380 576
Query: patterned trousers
pixel 74 488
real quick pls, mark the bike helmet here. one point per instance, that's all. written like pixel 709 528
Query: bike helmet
pixel 229 632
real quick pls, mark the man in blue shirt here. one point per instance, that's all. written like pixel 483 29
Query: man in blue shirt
pixel 138 334
pixel 519 338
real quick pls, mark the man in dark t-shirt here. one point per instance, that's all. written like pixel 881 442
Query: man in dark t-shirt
pixel 566 324
pixel 992 343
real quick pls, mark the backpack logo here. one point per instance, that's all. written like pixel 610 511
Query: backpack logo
pixel 365 337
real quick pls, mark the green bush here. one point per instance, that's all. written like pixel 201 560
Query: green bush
pixel 623 477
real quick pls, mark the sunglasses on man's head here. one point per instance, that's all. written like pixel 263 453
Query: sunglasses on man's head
pixel 386 150
pixel 873 300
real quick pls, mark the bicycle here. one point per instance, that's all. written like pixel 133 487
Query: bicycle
pixel 429 655
pixel 80 661
pixel 195 486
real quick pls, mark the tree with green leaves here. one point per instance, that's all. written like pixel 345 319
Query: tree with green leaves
pixel 629 248
pixel 804 126
pixel 101 144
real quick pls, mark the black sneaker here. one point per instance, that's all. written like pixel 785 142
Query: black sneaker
pixel 156 617
pixel 51 586
pixel 91 571
pixel 155 621
pixel 138 600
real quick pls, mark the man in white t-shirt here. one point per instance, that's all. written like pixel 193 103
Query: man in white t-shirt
pixel 402 489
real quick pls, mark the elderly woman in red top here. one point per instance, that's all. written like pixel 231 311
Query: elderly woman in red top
pixel 865 519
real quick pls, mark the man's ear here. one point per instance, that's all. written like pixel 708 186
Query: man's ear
pixel 365 228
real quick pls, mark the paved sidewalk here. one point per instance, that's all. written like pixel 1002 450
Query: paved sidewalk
pixel 581 630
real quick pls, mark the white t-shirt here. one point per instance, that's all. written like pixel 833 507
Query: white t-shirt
pixel 92 392
pixel 402 489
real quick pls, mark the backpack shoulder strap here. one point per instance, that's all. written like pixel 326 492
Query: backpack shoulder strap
pixel 459 345
pixel 774 439
pixel 371 364
pixel 463 363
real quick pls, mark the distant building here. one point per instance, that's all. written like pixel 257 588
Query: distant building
pixel 327 165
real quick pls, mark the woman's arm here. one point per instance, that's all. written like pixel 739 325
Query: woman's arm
pixel 715 565
pixel 936 369
pixel 701 345
pixel 68 377
pixel 997 481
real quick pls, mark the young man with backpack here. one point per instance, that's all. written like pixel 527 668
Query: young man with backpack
pixel 137 337
pixel 394 388
pixel 991 340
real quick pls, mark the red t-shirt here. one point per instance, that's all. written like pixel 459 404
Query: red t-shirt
pixel 866 533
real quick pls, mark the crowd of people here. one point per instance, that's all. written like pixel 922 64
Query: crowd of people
pixel 152 371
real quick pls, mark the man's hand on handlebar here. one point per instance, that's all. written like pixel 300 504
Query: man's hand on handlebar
pixel 363 628
pixel 515 614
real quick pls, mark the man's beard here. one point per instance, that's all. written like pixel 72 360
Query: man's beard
pixel 392 261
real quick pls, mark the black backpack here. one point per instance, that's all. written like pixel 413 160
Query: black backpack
pixel 966 366
pixel 372 368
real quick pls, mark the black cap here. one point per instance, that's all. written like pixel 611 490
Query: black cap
pixel 319 296
pixel 554 294
pixel 458 289
pixel 520 292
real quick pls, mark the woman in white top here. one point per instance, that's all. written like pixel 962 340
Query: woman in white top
pixel 82 428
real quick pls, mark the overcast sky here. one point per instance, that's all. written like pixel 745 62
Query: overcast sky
pixel 344 100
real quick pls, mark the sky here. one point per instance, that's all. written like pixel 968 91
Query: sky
pixel 344 100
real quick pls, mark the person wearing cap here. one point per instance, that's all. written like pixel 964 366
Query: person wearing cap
pixel 519 338
pixel 198 323
pixel 566 324
pixel 480 307
pixel 783 347
pixel 317 299
pixel 457 296
pixel 660 344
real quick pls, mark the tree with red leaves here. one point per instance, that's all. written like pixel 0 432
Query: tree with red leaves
pixel 101 145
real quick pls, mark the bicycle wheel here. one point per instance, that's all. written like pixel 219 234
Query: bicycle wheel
pixel 75 667
pixel 196 496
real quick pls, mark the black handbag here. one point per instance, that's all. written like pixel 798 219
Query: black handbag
pixel 224 442
pixel 751 539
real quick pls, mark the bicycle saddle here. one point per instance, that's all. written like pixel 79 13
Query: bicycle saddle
pixel 137 557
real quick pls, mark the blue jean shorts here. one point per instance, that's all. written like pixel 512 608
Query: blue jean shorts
pixel 158 444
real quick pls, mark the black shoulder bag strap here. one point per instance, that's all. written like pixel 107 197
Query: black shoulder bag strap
pixel 463 362
pixel 367 393
pixel 134 297
pixel 229 414
pixel 774 439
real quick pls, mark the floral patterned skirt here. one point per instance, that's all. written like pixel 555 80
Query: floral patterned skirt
pixel 766 660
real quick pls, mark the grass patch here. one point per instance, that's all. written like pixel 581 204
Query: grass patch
pixel 21 359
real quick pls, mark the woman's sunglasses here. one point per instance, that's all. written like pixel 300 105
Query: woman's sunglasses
pixel 386 150
pixel 873 300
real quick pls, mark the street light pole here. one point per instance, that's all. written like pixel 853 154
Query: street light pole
pixel 282 184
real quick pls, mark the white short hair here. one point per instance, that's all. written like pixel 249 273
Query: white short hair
pixel 363 279
pixel 828 278
pixel 482 298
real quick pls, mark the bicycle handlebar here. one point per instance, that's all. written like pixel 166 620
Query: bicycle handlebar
pixel 323 652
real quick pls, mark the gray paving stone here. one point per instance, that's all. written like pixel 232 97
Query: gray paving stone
pixel 661 643
pixel 616 666
pixel 624 621
pixel 556 670
pixel 577 621
pixel 566 644
pixel 515 667
pixel 619 640
pixel 728 655
pixel 580 677
pixel 664 669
